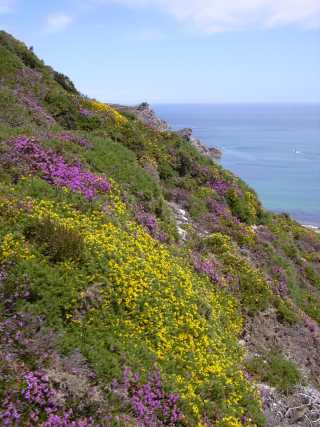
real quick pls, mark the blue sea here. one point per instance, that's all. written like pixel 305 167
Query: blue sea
pixel 275 148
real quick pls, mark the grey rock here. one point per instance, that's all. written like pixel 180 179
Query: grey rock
pixel 149 117
pixel 146 114
pixel 187 134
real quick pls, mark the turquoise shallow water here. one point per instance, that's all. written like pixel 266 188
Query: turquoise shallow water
pixel 275 148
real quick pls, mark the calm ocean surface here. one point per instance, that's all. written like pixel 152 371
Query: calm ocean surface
pixel 275 148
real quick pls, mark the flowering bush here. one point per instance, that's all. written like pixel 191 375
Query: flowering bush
pixel 39 112
pixel 110 111
pixel 36 403
pixel 71 137
pixel 207 267
pixel 150 300
pixel 55 169
pixel 149 221
pixel 151 404
pixel 221 187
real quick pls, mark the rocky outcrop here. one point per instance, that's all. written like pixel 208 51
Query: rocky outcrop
pixel 146 114
pixel 149 117
pixel 187 134
pixel 300 408
pixel 182 219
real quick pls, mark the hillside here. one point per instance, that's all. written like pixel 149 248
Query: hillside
pixel 141 283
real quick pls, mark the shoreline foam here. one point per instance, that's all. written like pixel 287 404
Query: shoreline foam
pixel 312 227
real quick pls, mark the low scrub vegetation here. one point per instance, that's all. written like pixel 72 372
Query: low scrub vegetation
pixel 129 263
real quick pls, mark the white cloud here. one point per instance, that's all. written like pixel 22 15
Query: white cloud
pixel 58 22
pixel 224 15
pixel 6 6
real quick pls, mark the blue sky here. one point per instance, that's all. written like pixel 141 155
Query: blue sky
pixel 177 50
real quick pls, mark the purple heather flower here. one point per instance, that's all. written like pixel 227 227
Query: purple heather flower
pixel 151 404
pixel 220 186
pixel 205 267
pixel 36 108
pixel 39 395
pixel 149 221
pixel 70 137
pixel 55 169
pixel 86 113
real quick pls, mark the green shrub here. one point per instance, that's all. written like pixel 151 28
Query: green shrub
pixel 312 276
pixel 285 312
pixel 310 303
pixel 65 82
pixel 21 51
pixel 240 207
pixel 276 370
pixel 197 207
pixel 62 107
pixel 57 242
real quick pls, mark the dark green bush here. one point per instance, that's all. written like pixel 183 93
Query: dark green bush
pixel 57 242
pixel 65 82
pixel 62 107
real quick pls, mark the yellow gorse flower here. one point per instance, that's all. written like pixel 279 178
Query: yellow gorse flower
pixel 106 108
pixel 176 314
pixel 13 246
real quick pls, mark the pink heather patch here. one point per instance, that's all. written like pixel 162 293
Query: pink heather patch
pixel 55 169
pixel 220 186
pixel 206 267
pixel 36 108
pixel 151 404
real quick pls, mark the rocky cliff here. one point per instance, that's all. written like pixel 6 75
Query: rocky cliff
pixel 146 114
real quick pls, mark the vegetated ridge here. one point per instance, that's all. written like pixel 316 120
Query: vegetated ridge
pixel 141 284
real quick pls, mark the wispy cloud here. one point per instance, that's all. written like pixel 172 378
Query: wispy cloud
pixel 58 22
pixel 6 6
pixel 229 15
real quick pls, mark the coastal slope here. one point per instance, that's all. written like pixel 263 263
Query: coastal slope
pixel 141 283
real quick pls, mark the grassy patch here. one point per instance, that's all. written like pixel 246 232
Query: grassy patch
pixel 275 370
pixel 120 163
